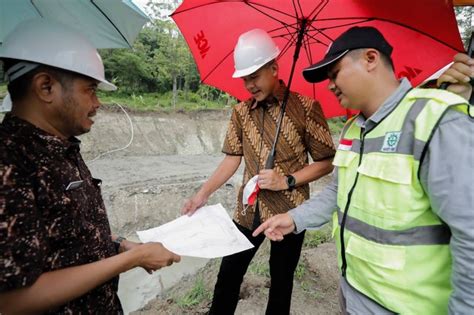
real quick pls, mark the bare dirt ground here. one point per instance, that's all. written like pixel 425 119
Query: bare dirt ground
pixel 314 292
pixel 146 183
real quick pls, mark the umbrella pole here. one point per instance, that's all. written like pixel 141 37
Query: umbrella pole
pixel 270 163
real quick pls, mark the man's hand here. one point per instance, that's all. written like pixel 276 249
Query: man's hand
pixel 127 245
pixel 276 227
pixel 271 180
pixel 459 75
pixel 153 256
pixel 191 205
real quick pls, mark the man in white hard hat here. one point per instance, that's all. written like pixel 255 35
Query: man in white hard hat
pixel 250 135
pixel 57 254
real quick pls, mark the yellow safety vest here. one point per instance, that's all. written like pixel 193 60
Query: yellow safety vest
pixel 392 247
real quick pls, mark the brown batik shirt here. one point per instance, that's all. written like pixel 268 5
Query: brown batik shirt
pixel 251 133
pixel 46 225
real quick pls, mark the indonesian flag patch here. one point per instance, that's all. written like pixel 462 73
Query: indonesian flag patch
pixel 345 144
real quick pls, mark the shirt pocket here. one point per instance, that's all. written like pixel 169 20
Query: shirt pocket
pixel 391 168
pixel 390 257
pixel 385 187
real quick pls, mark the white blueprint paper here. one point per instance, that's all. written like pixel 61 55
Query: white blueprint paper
pixel 208 233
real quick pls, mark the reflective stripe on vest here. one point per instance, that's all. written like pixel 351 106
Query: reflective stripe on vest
pixel 420 235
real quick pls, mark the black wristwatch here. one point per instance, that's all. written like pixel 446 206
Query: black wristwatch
pixel 291 182
pixel 117 242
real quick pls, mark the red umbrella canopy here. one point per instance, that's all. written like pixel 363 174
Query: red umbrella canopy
pixel 424 35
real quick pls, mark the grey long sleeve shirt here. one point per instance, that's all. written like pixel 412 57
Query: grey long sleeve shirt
pixel 447 176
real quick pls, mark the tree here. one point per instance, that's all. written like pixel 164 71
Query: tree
pixel 464 16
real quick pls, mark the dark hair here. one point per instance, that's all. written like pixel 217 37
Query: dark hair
pixel 18 88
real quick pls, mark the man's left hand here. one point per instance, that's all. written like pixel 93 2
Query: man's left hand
pixel 459 75
pixel 271 180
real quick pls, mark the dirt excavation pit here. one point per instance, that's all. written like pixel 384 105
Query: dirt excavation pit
pixel 145 185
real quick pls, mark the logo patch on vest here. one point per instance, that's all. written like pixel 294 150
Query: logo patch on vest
pixel 345 145
pixel 390 142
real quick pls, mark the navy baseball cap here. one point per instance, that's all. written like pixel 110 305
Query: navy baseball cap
pixel 354 38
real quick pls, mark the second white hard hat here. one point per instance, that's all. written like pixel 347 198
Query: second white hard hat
pixel 53 44
pixel 253 50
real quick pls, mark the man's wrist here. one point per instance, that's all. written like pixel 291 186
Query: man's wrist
pixel 118 242
pixel 290 182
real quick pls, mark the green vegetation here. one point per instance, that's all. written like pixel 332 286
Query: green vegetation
pixel 315 238
pixel 159 72
pixel 196 295
pixel 308 288
pixel 259 268
pixel 300 270
pixel 3 90
pixel 160 102
pixel 336 124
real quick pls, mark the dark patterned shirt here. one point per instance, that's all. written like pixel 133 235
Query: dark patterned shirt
pixel 304 130
pixel 49 219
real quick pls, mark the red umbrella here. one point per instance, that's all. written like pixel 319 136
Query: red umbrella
pixel 423 32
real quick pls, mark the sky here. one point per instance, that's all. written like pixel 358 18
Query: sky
pixel 141 3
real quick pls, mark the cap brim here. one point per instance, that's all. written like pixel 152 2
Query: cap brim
pixel 319 71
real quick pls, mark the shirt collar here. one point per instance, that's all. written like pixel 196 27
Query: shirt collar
pixel 22 127
pixel 387 106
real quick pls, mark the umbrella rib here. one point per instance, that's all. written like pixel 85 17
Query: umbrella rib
pixel 369 19
pixel 419 31
pixel 299 6
pixel 36 8
pixel 254 6
pixel 216 66
pixel 320 7
pixel 309 56
pixel 284 26
pixel 320 31
pixel 307 50
pixel 294 8
pixel 113 24
pixel 319 41
pixel 288 44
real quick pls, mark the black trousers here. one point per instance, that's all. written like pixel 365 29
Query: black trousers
pixel 284 258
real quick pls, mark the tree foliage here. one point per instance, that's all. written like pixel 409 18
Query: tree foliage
pixel 464 16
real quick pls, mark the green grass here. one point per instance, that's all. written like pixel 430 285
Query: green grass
pixel 336 124
pixel 196 295
pixel 158 102
pixel 315 238
pixel 308 289
pixel 300 270
pixel 3 90
pixel 260 268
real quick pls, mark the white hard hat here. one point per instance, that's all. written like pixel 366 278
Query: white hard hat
pixel 49 43
pixel 253 50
